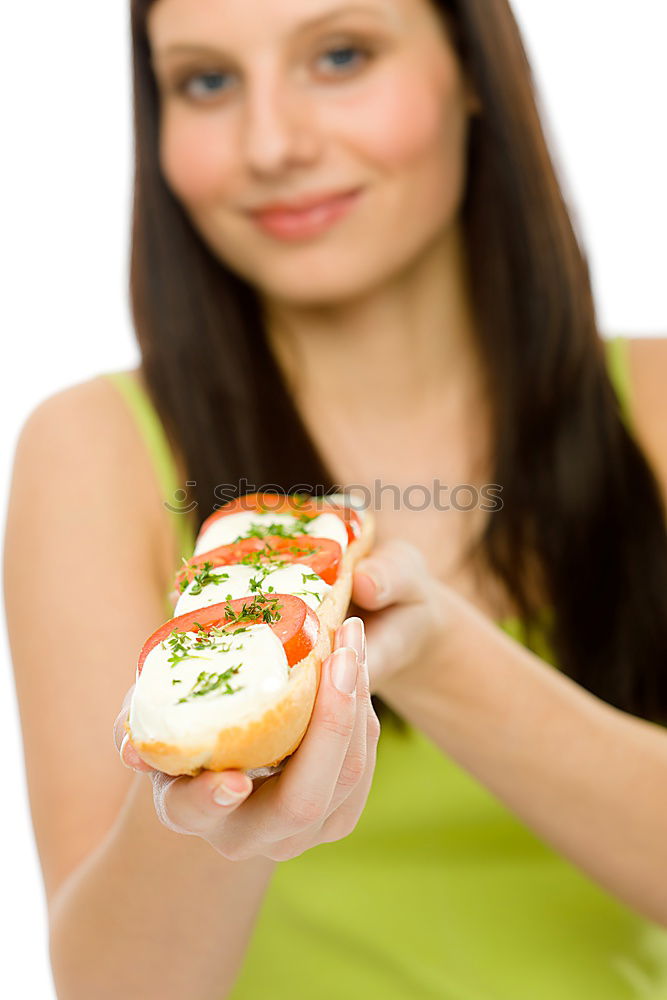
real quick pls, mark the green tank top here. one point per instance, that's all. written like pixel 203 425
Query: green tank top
pixel 440 892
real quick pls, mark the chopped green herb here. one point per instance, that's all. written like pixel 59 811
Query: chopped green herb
pixel 264 557
pixel 205 577
pixel 255 583
pixel 187 645
pixel 297 593
pixel 260 606
pixel 259 530
pixel 189 570
pixel 207 683
pixel 308 550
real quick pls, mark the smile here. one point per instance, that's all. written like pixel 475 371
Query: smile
pixel 292 225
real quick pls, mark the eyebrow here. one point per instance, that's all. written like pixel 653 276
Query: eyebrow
pixel 306 25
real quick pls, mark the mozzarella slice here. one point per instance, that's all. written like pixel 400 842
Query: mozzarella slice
pixel 354 499
pixel 236 581
pixel 226 530
pixel 156 712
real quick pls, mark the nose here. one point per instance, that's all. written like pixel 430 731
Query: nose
pixel 279 128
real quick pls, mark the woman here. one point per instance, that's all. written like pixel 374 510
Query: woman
pixel 507 838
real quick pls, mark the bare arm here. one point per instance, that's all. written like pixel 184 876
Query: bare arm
pixel 153 887
pixel 153 913
pixel 82 593
pixel 587 778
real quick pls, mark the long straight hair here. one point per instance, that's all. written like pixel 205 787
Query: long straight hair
pixel 580 502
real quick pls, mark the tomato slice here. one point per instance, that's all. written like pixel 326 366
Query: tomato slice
pixel 295 504
pixel 323 555
pixel 291 619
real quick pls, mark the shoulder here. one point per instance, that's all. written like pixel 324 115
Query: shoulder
pixel 80 446
pixel 96 399
pixel 645 353
pixel 647 376
pixel 82 427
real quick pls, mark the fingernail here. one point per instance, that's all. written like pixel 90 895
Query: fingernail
pixel 225 796
pixel 122 747
pixel 353 635
pixel 344 669
pixel 133 753
pixel 378 583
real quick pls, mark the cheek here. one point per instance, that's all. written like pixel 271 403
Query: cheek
pixel 192 157
pixel 416 131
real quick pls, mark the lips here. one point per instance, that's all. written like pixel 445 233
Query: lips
pixel 290 224
pixel 303 205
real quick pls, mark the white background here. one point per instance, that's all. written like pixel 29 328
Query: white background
pixel 66 200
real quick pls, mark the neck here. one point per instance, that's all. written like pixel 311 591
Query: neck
pixel 409 340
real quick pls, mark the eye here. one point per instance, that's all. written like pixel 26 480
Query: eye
pixel 347 57
pixel 203 85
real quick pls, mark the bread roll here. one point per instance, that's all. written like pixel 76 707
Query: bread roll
pixel 183 719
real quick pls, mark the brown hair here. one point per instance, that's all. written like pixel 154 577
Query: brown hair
pixel 580 501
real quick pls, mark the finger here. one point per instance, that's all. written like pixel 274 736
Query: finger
pixel 308 781
pixel 396 571
pixel 131 758
pixel 402 637
pixel 342 821
pixel 196 805
pixel 173 598
pixel 259 817
pixel 351 633
pixel 119 730
pixel 128 755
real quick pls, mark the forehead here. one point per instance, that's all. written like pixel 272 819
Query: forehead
pixel 169 20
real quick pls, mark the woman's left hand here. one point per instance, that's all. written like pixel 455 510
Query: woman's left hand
pixel 407 609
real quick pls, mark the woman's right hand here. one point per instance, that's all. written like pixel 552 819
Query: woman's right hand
pixel 318 796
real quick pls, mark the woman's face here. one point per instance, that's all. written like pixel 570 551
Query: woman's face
pixel 265 102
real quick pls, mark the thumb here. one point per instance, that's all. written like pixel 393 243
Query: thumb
pixel 396 571
pixel 195 804
pixel 398 640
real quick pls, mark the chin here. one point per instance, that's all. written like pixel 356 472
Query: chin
pixel 314 278
pixel 304 287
